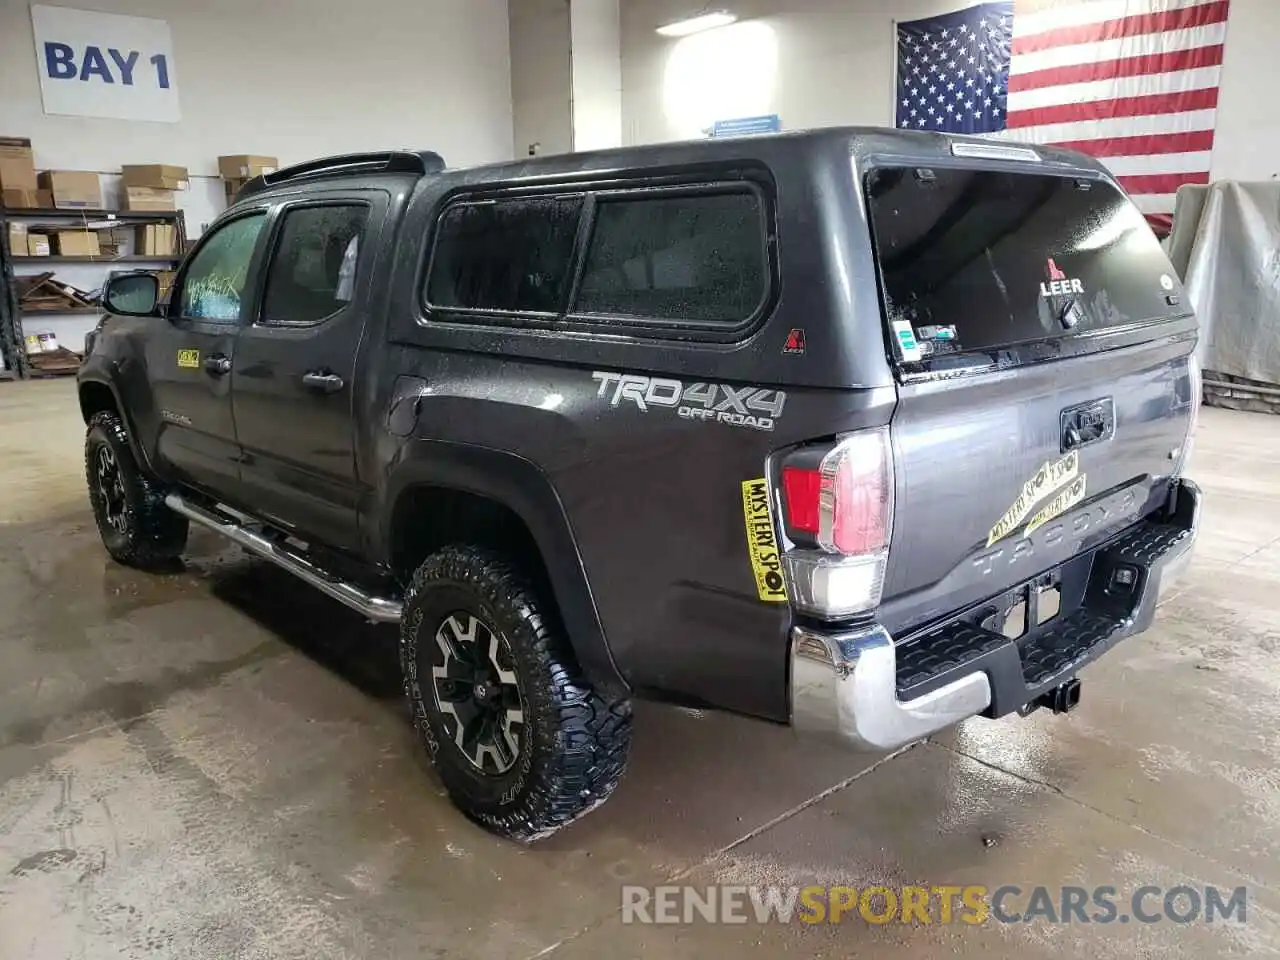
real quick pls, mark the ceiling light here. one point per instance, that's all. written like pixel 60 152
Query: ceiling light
pixel 703 21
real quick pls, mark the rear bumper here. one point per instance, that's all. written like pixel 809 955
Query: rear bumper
pixel 849 685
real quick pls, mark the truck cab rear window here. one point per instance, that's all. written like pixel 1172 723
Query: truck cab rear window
pixel 978 259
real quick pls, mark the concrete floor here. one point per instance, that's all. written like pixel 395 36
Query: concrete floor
pixel 215 764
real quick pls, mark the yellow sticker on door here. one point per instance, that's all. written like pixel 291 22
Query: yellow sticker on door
pixel 762 542
pixel 1051 476
pixel 189 359
pixel 1059 505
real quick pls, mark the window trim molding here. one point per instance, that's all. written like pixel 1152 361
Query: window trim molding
pixel 754 179
pixel 273 246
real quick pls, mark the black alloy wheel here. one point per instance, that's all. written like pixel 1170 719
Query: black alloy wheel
pixel 474 683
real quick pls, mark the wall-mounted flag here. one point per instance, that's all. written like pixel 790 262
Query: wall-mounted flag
pixel 1131 82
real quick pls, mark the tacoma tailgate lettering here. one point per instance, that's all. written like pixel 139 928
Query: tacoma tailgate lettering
pixel 1046 480
pixel 1060 504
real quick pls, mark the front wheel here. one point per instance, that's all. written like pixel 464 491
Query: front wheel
pixel 137 529
pixel 523 744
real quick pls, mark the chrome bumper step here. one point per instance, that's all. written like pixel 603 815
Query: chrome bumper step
pixel 847 684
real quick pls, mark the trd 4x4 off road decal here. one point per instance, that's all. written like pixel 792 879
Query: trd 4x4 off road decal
pixel 754 407
pixel 762 544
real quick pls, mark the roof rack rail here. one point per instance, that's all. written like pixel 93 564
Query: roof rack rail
pixel 394 161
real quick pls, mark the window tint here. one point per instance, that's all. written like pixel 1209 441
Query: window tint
pixel 214 281
pixel 979 259
pixel 313 271
pixel 690 258
pixel 505 255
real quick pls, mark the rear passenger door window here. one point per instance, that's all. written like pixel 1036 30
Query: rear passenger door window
pixel 696 259
pixel 505 256
pixel 313 271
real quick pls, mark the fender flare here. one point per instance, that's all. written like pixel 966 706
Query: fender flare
pixel 135 444
pixel 527 491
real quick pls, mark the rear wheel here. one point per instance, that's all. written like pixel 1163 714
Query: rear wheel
pixel 522 743
pixel 137 529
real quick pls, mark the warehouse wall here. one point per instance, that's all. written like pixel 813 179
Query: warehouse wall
pixel 824 62
pixel 595 42
pixel 1246 145
pixel 294 79
pixel 541 76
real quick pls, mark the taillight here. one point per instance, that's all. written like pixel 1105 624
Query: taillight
pixel 838 512
pixel 801 495
pixel 1195 388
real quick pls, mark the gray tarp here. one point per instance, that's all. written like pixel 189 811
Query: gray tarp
pixel 1226 244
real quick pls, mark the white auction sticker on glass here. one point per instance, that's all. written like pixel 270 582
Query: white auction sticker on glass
pixel 906 337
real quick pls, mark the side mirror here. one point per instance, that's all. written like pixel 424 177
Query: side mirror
pixel 132 295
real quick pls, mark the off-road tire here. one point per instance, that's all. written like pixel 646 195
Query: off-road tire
pixel 574 743
pixel 152 534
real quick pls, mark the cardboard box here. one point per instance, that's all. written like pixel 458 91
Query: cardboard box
pixel 231 188
pixel 77 243
pixel 166 278
pixel 18 239
pixel 38 245
pixel 17 164
pixel 74 189
pixel 147 198
pixel 243 166
pixel 22 199
pixel 162 176
pixel 156 240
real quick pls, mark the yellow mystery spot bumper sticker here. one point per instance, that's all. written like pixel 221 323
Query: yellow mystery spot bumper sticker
pixel 189 359
pixel 1064 501
pixel 1051 476
pixel 762 542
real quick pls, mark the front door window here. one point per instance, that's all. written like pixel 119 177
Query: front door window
pixel 215 280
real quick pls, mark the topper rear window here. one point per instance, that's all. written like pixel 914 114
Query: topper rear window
pixel 979 259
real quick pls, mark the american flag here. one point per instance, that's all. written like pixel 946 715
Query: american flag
pixel 1132 82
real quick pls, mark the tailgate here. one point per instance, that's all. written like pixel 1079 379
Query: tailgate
pixel 1044 351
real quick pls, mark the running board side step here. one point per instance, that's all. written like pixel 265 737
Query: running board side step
pixel 378 609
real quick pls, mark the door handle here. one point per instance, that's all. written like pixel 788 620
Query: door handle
pixel 217 364
pixel 324 382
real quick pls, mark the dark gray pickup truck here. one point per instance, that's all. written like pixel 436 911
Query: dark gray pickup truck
pixel 864 431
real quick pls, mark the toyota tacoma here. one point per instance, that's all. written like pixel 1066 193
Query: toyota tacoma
pixel 860 430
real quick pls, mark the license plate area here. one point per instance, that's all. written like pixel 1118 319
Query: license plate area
pixel 1026 608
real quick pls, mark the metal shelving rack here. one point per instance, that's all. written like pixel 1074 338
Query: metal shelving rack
pixel 12 339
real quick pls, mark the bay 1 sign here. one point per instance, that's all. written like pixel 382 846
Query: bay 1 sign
pixel 104 65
